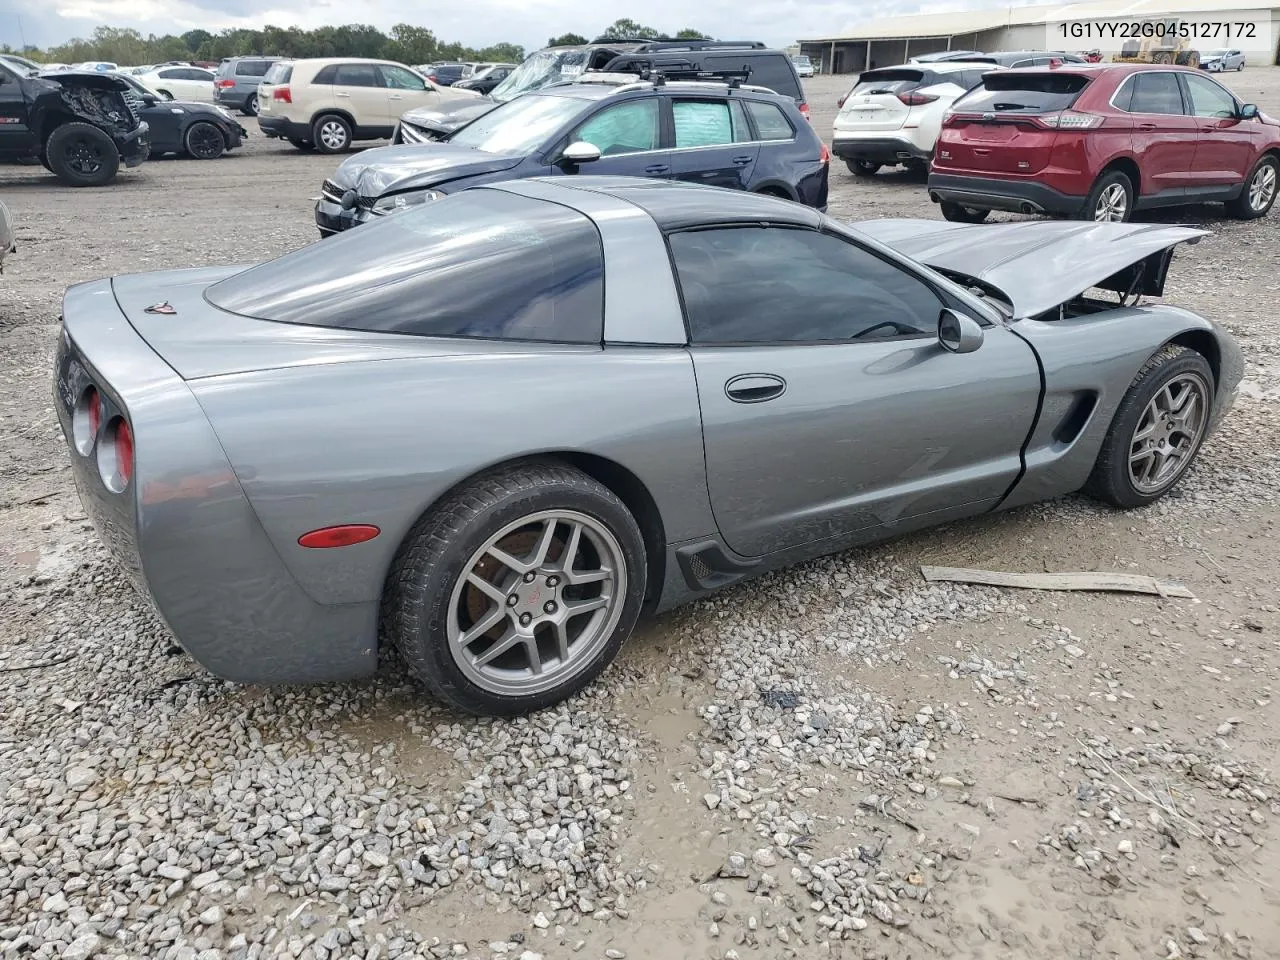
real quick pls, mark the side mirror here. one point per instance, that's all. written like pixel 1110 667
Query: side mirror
pixel 1249 111
pixel 149 99
pixel 958 333
pixel 580 152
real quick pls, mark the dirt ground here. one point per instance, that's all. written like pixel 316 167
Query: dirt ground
pixel 838 760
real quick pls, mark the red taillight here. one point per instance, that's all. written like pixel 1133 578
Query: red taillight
pixel 282 94
pixel 124 450
pixel 840 102
pixel 94 406
pixel 916 99
pixel 826 154
pixel 804 110
pixel 343 535
pixel 433 78
pixel 224 84
pixel 1068 120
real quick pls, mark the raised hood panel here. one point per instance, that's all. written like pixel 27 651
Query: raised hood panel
pixel 1039 264
pixel 383 170
pixel 199 340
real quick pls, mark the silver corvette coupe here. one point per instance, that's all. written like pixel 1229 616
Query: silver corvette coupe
pixel 495 430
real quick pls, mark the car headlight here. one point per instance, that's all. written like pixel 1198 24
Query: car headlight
pixel 226 114
pixel 403 201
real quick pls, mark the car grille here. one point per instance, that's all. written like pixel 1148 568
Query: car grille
pixel 331 191
pixel 133 103
pixel 411 134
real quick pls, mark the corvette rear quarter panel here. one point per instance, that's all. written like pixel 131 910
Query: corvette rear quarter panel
pixel 380 442
pixel 1093 359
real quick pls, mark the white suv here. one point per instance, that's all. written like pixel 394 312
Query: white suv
pixel 893 115
pixel 326 104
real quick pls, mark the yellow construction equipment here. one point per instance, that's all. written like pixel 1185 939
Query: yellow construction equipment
pixel 1164 45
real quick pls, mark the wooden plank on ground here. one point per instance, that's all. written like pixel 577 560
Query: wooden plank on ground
pixel 1103 582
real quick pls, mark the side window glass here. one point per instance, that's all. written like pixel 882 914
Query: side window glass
pixel 771 285
pixel 702 123
pixel 1156 92
pixel 1208 99
pixel 357 75
pixel 629 127
pixel 398 78
pixel 326 75
pixel 771 122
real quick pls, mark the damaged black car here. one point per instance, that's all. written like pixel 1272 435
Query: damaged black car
pixel 81 126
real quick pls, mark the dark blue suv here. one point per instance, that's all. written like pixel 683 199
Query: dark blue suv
pixel 711 132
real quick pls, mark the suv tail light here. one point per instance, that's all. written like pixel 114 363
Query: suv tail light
pixel 804 111
pixel 826 155
pixel 224 84
pixel 1069 120
pixel 283 94
pixel 840 102
pixel 916 99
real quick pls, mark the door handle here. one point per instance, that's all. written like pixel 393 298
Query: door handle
pixel 1146 126
pixel 657 168
pixel 395 96
pixel 741 161
pixel 755 388
pixel 346 95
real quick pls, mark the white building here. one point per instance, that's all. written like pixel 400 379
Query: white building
pixel 1066 27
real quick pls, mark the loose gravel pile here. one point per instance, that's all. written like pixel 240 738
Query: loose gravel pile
pixel 838 760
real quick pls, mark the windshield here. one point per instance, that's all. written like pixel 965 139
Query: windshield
pixel 521 126
pixel 1214 53
pixel 801 61
pixel 21 63
pixel 540 69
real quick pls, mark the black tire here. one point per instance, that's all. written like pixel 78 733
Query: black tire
pixel 1110 480
pixel 250 108
pixel 862 168
pixel 331 133
pixel 204 141
pixel 1242 207
pixel 918 169
pixel 1104 187
pixel 436 554
pixel 958 213
pixel 81 155
pixel 306 146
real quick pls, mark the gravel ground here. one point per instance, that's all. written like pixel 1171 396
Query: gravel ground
pixel 838 760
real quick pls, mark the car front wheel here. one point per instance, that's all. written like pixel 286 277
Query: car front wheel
pixel 204 141
pixel 1157 430
pixel 958 213
pixel 518 590
pixel 331 134
pixel 1259 192
pixel 81 155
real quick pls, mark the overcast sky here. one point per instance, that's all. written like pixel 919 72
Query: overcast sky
pixel 474 22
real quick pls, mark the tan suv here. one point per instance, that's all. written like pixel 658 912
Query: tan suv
pixel 325 104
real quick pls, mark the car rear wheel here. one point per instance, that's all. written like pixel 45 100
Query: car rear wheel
pixel 1110 200
pixel 331 134
pixel 518 590
pixel 304 145
pixel 1259 193
pixel 81 155
pixel 862 168
pixel 1157 430
pixel 958 213
pixel 164 94
pixel 204 141
pixel 251 105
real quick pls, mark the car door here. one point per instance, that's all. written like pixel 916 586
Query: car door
pixel 711 141
pixel 1227 146
pixel 16 136
pixel 629 138
pixel 406 90
pixel 358 89
pixel 1164 133
pixel 830 410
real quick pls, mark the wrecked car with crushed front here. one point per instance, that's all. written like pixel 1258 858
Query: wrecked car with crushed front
pixel 81 126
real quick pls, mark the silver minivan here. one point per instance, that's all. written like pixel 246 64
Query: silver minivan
pixel 236 83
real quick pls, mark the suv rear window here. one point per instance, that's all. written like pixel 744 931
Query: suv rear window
pixel 252 68
pixel 889 81
pixel 279 73
pixel 482 264
pixel 1023 93
pixel 768 69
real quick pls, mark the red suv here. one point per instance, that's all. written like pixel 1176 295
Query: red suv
pixel 1099 141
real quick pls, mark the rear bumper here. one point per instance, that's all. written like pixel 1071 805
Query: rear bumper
pixel 235 136
pixel 231 97
pixel 283 128
pixel 183 528
pixel 878 149
pixel 993 193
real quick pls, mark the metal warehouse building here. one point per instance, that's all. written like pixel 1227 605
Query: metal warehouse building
pixel 890 41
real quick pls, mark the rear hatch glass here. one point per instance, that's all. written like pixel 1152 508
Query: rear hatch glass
pixel 995 131
pixel 772 70
pixel 889 81
pixel 279 73
pixel 1022 94
pixel 252 68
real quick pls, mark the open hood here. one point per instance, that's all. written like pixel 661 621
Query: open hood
pixel 1040 264
pixel 383 170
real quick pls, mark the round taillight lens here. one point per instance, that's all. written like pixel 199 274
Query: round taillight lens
pixel 115 455
pixel 86 420
pixel 124 450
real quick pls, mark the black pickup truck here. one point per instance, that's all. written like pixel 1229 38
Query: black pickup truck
pixel 82 126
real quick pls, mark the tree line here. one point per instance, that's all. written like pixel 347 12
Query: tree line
pixel 405 43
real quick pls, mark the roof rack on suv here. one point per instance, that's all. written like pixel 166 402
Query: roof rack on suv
pixel 660 76
pixel 649 45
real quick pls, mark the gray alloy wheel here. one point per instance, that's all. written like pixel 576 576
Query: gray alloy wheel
pixel 1157 429
pixel 1259 192
pixel 251 105
pixel 537 602
pixel 331 134
pixel 204 141
pixel 1112 205
pixel 1168 433
pixel 518 589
